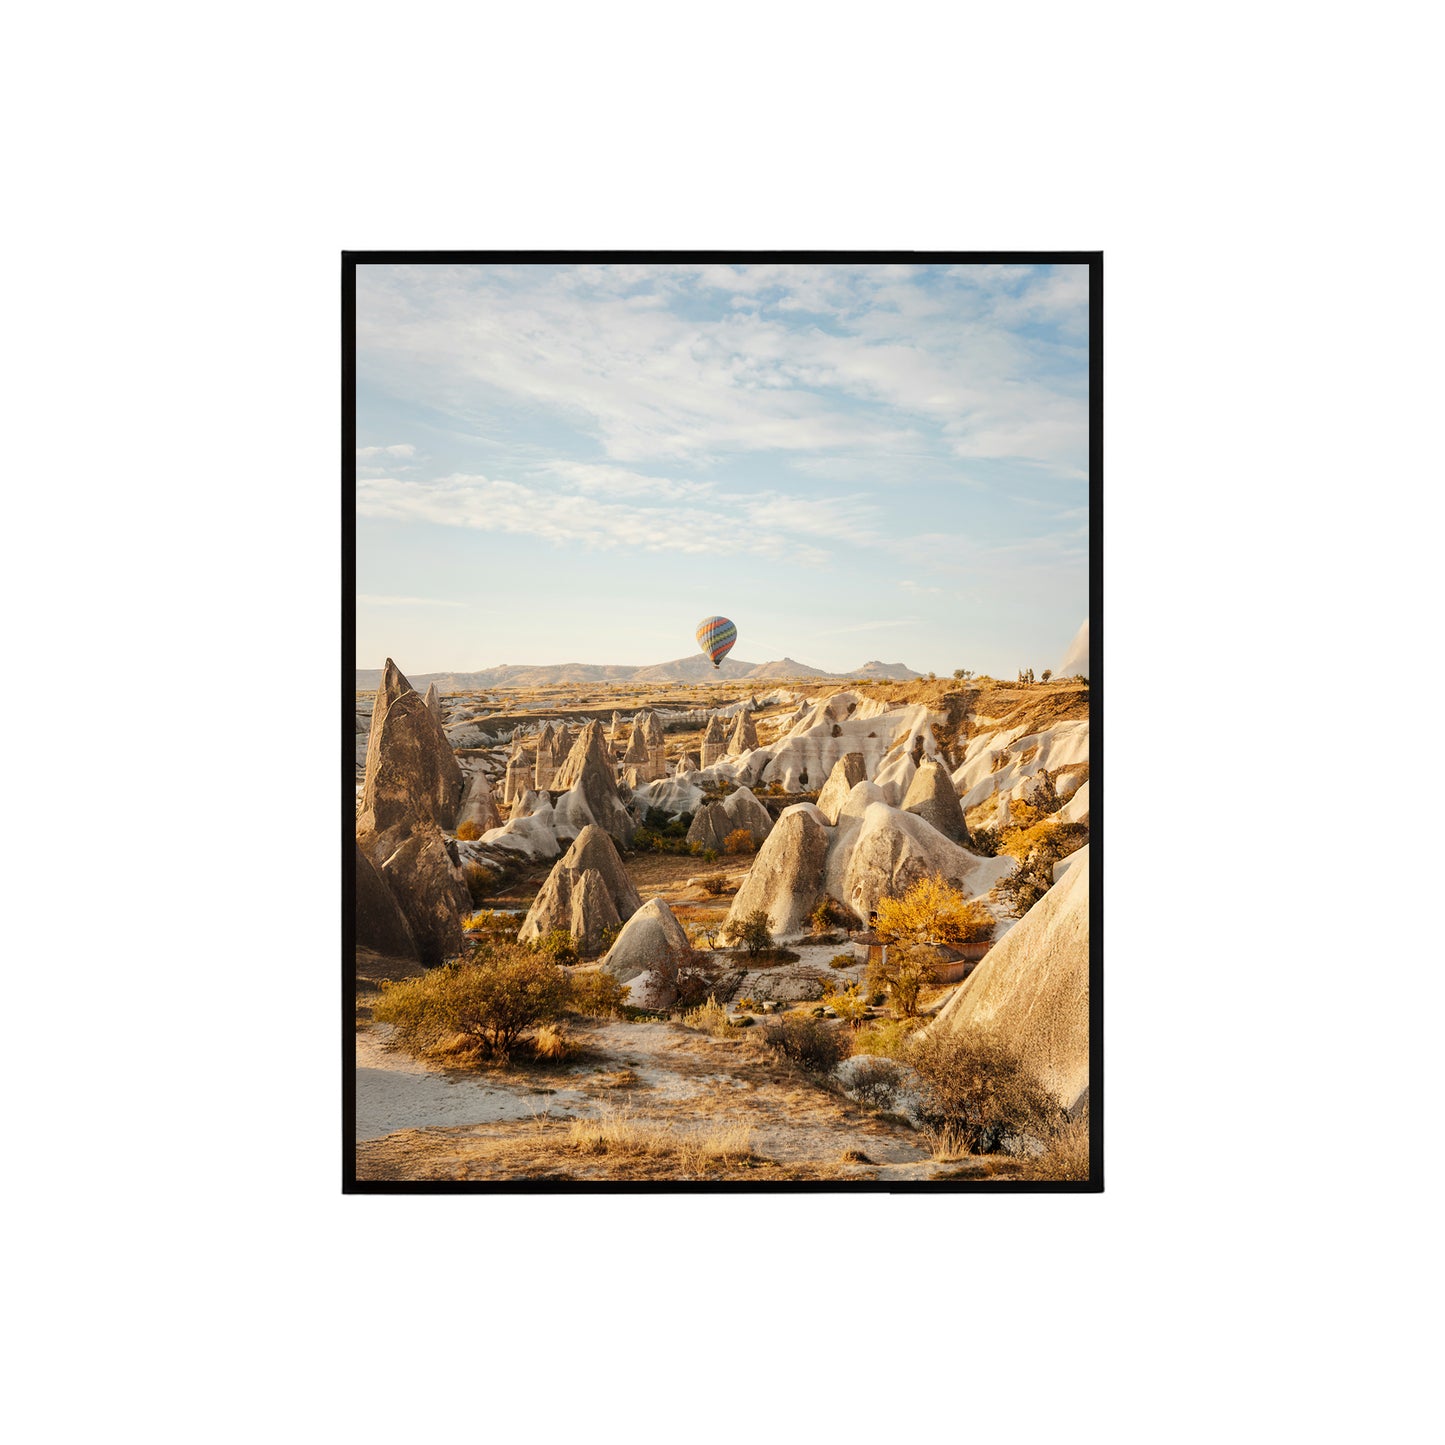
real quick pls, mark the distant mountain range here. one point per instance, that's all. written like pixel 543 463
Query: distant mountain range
pixel 682 669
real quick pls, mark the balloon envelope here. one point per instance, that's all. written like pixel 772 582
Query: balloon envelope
pixel 716 635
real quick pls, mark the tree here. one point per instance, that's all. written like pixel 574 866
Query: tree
pixel 963 673
pixel 1047 673
pixel 850 1004
pixel 903 971
pixel 933 911
pixel 753 932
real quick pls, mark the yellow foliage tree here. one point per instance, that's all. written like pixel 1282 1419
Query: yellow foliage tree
pixel 933 911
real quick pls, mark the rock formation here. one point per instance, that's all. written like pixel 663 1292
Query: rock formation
pixel 637 755
pixel 931 796
pixel 546 760
pixel 562 741
pixel 744 735
pixel 710 827
pixel 433 700
pixel 786 879
pixel 714 741
pixel 1004 816
pixel 614 733
pixel 412 775
pixel 1032 989
pixel 589 789
pixel 848 772
pixel 517 778
pixel 1076 810
pixel 587 891
pixel 478 805
pixel 428 885
pixel 890 850
pixel 745 811
pixel 650 940
pixel 656 746
pixel 380 923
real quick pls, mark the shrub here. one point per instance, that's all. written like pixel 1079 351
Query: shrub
pixel 828 916
pixel 985 841
pixel 842 960
pixel 715 883
pixel 468 832
pixel 478 880
pixel 709 1018
pixel 887 1038
pixel 492 1002
pixel 807 1042
pixel 740 840
pixel 850 1004
pixel 877 1082
pixel 556 945
pixel 595 994
pixel 753 932
pixel 933 911
pixel 551 1042
pixel 1067 1156
pixel 710 855
pixel 977 1091
pixel 904 971
pixel 494 927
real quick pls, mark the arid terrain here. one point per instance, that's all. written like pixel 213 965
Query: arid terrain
pixel 622 835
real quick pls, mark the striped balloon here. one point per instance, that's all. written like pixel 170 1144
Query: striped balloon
pixel 716 635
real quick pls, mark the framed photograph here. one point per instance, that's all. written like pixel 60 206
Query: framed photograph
pixel 721 718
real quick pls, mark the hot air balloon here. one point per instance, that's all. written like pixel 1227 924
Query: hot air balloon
pixel 716 635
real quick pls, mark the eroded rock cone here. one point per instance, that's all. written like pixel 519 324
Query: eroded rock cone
pixel 1031 992
pixel 478 806
pixel 546 760
pixel 393 685
pixel 714 741
pixel 429 887
pixel 744 735
pixel 745 811
pixel 583 906
pixel 932 796
pixel 650 941
pixel 787 877
pixel 412 775
pixel 380 923
pixel 433 700
pixel 848 772
pixel 614 733
pixel 710 827
pixel 637 754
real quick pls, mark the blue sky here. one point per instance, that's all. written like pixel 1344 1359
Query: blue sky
pixel 577 463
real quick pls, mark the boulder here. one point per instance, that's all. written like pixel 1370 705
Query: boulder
pixel 649 940
pixel 588 788
pixel 584 906
pixel 714 741
pixel 428 885
pixel 745 811
pixel 1031 992
pixel 651 991
pixel 710 827
pixel 477 805
pixel 848 772
pixel 380 923
pixel 931 796
pixel 412 776
pixel 786 879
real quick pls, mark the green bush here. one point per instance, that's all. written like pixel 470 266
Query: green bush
pixel 887 1038
pixel 752 932
pixel 557 946
pixel 715 883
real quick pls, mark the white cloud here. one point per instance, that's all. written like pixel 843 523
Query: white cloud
pixel 401 449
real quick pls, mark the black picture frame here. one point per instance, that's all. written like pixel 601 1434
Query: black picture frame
pixel 1094 260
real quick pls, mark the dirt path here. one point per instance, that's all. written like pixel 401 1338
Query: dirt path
pixel 661 1081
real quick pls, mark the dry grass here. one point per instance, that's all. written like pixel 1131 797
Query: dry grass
pixel 709 1018
pixel 1067 1156
pixel 623 1135
pixel 551 1042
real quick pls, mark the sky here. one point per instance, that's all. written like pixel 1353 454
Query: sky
pixel 579 463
